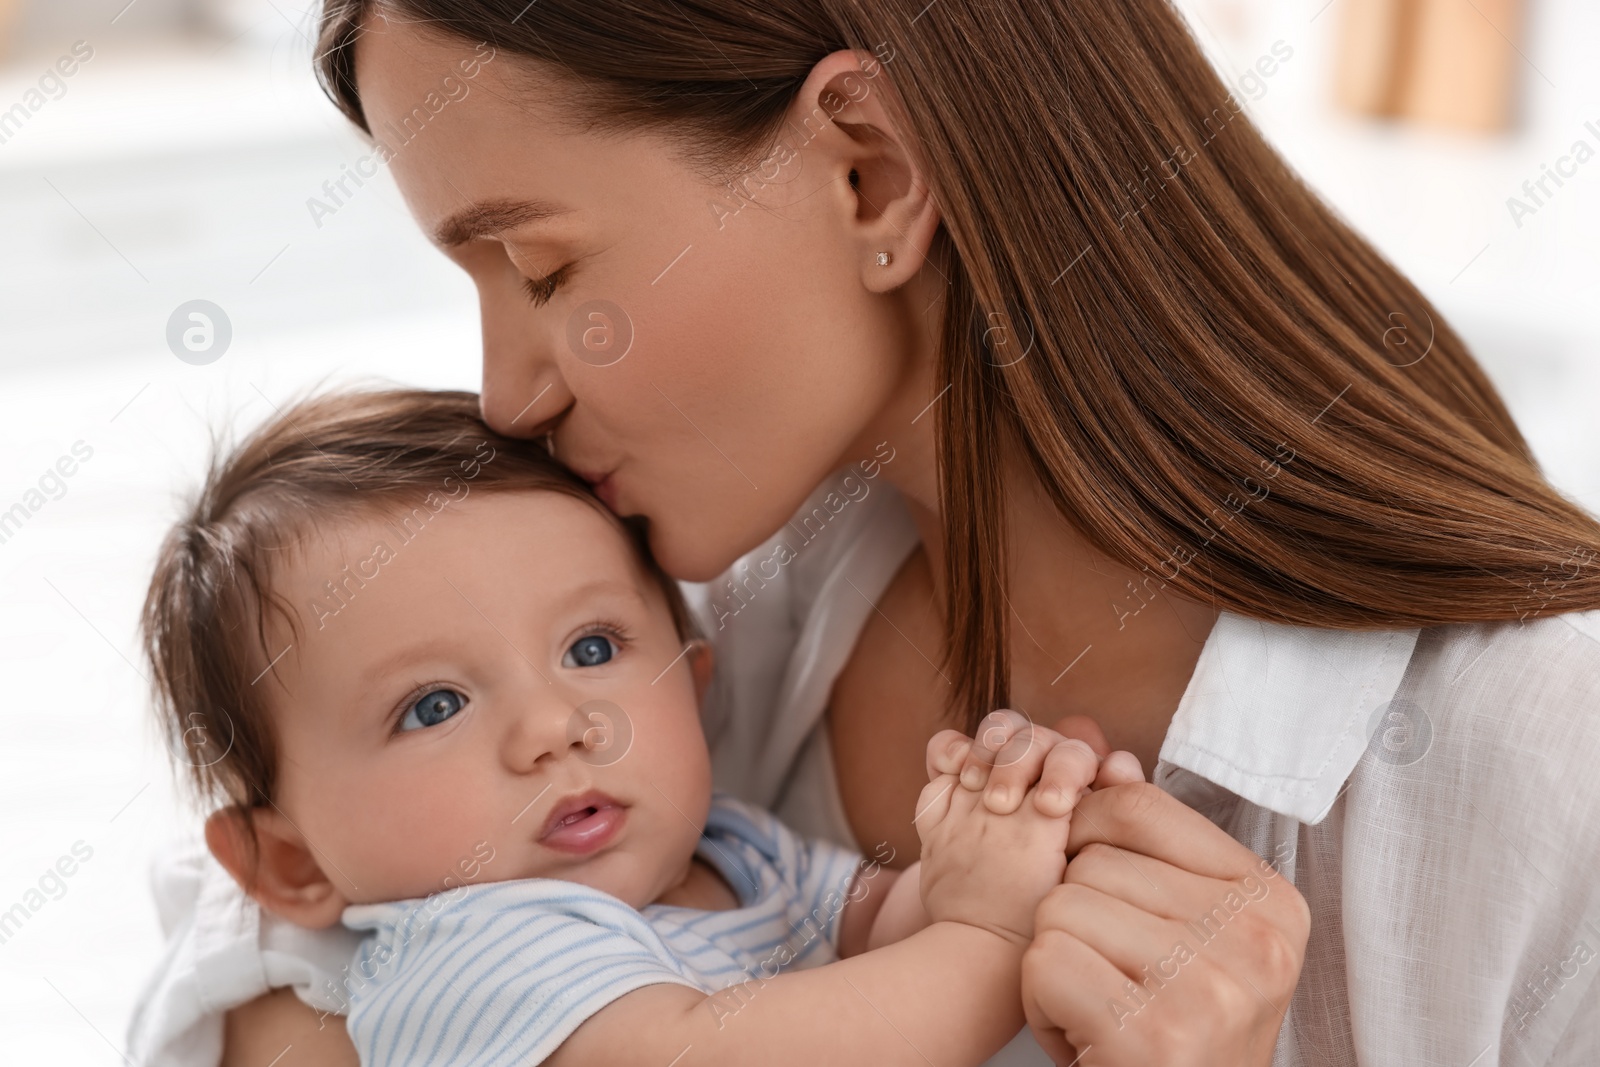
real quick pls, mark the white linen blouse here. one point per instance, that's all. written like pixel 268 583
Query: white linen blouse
pixel 1434 794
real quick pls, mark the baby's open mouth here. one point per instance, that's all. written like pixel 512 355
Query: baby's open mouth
pixel 583 823
pixel 576 817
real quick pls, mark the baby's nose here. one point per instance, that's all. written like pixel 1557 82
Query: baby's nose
pixel 602 732
pixel 594 732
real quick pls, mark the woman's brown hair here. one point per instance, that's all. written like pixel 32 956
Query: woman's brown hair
pixel 408 454
pixel 1220 384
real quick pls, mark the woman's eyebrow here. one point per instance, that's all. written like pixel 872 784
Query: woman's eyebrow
pixel 490 217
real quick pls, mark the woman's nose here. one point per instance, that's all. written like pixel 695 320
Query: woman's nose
pixel 523 391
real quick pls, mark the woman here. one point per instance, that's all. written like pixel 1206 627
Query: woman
pixel 1145 441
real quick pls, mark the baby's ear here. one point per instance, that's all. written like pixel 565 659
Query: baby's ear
pixel 280 872
pixel 700 660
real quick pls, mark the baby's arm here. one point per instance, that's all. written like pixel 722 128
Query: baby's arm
pixel 944 985
pixel 902 913
pixel 950 993
pixel 884 906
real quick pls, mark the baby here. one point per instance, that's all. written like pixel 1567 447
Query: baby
pixel 447 698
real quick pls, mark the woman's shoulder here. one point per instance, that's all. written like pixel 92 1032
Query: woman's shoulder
pixel 1586 623
pixel 1513 703
pixel 1470 826
pixel 1550 662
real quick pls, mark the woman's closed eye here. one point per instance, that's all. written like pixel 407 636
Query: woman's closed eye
pixel 431 709
pixel 540 290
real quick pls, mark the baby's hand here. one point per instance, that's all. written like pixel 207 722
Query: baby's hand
pixel 1011 754
pixel 991 870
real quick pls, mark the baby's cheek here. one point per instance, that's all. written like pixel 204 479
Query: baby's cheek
pixel 670 761
pixel 669 742
pixel 411 839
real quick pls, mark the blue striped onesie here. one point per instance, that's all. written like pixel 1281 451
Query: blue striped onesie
pixel 499 974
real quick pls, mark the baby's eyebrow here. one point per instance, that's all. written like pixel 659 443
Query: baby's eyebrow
pixel 382 669
pixel 598 587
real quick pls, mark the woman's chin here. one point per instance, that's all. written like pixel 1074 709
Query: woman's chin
pixel 692 552
pixel 689 561
pixel 698 544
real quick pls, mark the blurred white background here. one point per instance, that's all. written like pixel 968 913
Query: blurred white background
pixel 176 164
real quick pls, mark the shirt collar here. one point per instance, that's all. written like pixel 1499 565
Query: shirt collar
pixel 1280 715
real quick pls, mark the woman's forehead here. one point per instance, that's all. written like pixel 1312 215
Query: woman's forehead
pixel 407 72
pixel 485 143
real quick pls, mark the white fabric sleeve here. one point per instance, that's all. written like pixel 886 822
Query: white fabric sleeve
pixel 222 950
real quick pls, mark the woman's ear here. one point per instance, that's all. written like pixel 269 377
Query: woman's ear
pixel 700 660
pixel 280 872
pixel 846 123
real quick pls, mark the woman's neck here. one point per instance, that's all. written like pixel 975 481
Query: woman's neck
pixel 1081 642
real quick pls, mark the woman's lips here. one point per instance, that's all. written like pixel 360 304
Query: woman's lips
pixel 601 484
pixel 606 490
pixel 583 824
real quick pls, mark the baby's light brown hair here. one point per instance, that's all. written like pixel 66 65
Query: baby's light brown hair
pixel 321 461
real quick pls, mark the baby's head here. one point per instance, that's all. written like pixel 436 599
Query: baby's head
pixel 393 644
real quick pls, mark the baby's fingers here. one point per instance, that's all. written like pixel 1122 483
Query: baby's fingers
pixel 1006 758
pixel 947 752
pixel 933 804
pixel 1070 768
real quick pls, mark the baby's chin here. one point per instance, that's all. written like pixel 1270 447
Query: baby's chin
pixel 620 871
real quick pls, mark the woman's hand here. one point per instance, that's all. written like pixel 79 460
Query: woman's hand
pixel 1209 935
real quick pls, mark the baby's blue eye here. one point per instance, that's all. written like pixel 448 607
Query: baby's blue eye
pixel 588 651
pixel 432 709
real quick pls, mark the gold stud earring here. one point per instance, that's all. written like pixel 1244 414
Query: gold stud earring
pixel 885 258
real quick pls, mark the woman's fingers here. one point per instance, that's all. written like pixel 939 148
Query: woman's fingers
pixel 1130 938
pixel 1085 729
pixel 1075 997
pixel 1062 981
pixel 1159 888
pixel 1182 995
pixel 1234 932
pixel 1140 817
pixel 1070 767
pixel 1119 768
